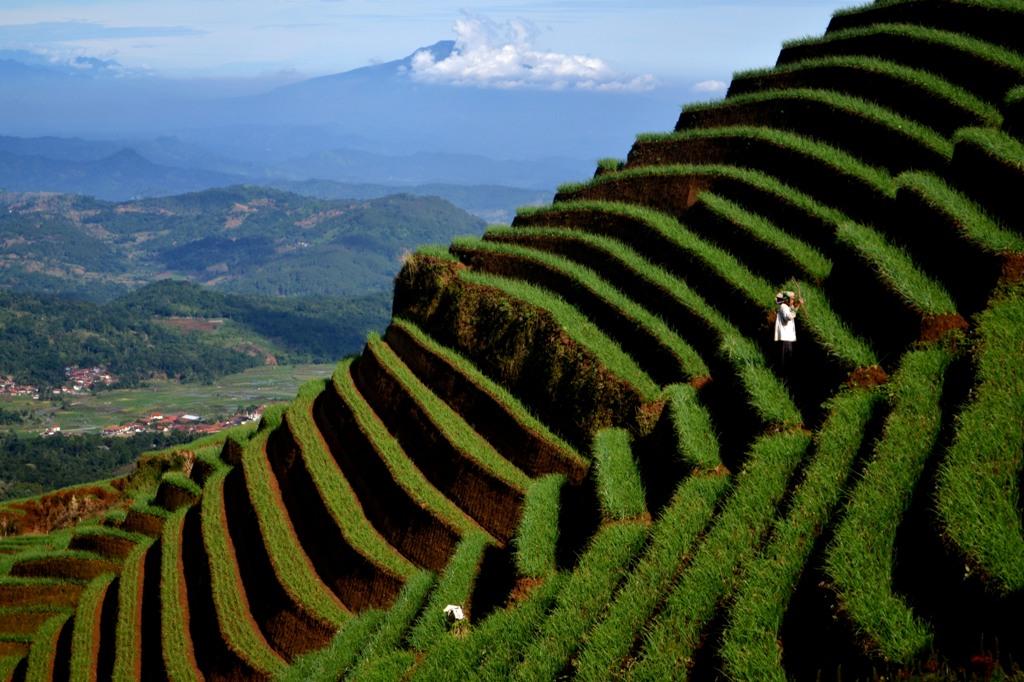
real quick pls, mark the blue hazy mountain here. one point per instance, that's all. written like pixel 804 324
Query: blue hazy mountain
pixel 69 123
pixel 381 105
pixel 122 175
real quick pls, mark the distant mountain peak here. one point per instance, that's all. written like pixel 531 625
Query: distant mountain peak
pixel 126 155
pixel 442 49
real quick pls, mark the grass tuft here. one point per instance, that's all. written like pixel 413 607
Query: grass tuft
pixel 620 491
pixel 536 538
pixel 695 434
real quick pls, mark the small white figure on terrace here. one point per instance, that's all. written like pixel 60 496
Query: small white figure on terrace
pixel 787 304
pixel 454 612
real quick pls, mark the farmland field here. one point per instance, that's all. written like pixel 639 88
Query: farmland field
pixel 91 413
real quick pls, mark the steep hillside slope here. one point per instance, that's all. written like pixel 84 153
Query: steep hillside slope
pixel 580 430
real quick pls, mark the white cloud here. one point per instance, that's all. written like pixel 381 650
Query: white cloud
pixel 710 86
pixel 488 54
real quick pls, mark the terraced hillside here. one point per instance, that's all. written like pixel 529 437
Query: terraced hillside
pixel 578 429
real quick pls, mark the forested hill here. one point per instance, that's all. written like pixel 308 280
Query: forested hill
pixel 88 282
pixel 146 334
pixel 243 239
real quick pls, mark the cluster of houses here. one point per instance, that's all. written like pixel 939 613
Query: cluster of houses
pixel 80 379
pixel 187 423
pixel 8 386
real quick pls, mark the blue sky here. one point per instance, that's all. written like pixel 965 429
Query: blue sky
pixel 666 40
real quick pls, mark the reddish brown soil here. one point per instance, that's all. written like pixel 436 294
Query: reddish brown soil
pixel 191 324
pixel 70 568
pixel 700 382
pixel 56 510
pixel 23 622
pixel 172 497
pixel 934 327
pixel 57 594
pixel 523 588
pixel 113 547
pixel 1013 268
pixel 141 522
pixel 13 649
pixel 866 377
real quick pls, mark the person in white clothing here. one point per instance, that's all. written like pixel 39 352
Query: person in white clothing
pixel 785 322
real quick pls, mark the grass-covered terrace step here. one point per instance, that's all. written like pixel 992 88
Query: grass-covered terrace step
pixel 233 604
pixel 865 264
pixel 986 164
pixel 291 623
pixel 541 349
pixel 832 175
pixel 454 458
pixel 985 69
pixel 454 586
pixel 870 132
pixel 744 298
pixel 536 540
pixel 766 248
pixel 750 646
pixel 860 557
pixel 583 599
pixel 658 350
pixel 491 410
pixel 216 637
pixel 672 640
pixel 491 648
pixel 87 632
pixel 1013 112
pixel 136 608
pixel 996 21
pixel 405 508
pixel 741 374
pixel 672 538
pixel 390 634
pixel 954 239
pixel 176 636
pixel 307 603
pixel 348 553
pixel 979 489
pixel 916 94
